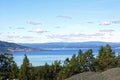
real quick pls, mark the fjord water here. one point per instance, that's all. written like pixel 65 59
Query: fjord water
pixel 38 58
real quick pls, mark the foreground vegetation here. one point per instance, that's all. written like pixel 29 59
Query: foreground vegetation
pixel 82 62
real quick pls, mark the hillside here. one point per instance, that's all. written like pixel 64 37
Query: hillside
pixel 12 47
pixel 92 44
pixel 111 74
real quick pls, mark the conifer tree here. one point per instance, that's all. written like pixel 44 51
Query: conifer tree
pixel 89 58
pixel 6 61
pixel 105 59
pixel 81 61
pixel 56 68
pixel 66 62
pixel 25 70
pixel 14 71
pixel 118 60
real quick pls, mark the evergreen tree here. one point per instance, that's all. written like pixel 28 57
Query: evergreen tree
pixel 45 73
pixel 6 61
pixel 81 61
pixel 25 70
pixel 66 62
pixel 105 59
pixel 14 71
pixel 32 73
pixel 72 68
pixel 56 68
pixel 40 73
pixel 89 58
pixel 118 60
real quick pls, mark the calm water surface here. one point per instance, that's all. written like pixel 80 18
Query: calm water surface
pixel 38 58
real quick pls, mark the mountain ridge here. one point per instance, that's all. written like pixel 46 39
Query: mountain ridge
pixel 12 47
pixel 90 44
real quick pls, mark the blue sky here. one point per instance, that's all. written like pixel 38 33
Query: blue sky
pixel 40 21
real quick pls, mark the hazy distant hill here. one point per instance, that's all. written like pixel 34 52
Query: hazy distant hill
pixel 91 44
pixel 11 47
pixel 111 74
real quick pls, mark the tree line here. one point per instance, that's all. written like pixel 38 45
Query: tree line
pixel 79 63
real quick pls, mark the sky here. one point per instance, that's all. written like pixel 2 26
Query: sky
pixel 41 21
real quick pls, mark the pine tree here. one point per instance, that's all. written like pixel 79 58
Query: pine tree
pixel 14 71
pixel 66 62
pixel 56 68
pixel 81 61
pixel 118 60
pixel 25 70
pixel 89 58
pixel 6 61
pixel 105 59
pixel 40 73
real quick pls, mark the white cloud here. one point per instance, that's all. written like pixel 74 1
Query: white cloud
pixel 20 28
pixel 110 22
pixel 64 17
pixel 12 36
pixel 116 22
pixel 105 23
pixel 34 23
pixel 38 30
pixel 57 27
pixel 90 22
pixel 107 30
pixel 75 37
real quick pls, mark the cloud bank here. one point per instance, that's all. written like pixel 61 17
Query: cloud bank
pixel 107 30
pixel 105 23
pixel 110 22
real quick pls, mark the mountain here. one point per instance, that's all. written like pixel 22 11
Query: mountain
pixel 12 47
pixel 91 44
pixel 111 74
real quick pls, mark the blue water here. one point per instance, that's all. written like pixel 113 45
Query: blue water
pixel 38 58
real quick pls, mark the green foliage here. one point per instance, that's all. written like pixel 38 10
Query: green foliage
pixel 81 61
pixel 105 59
pixel 89 58
pixel 6 62
pixel 14 71
pixel 66 62
pixel 77 64
pixel 118 60
pixel 26 70
pixel 48 72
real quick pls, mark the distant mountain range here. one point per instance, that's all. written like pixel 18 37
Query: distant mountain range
pixel 12 47
pixel 91 44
